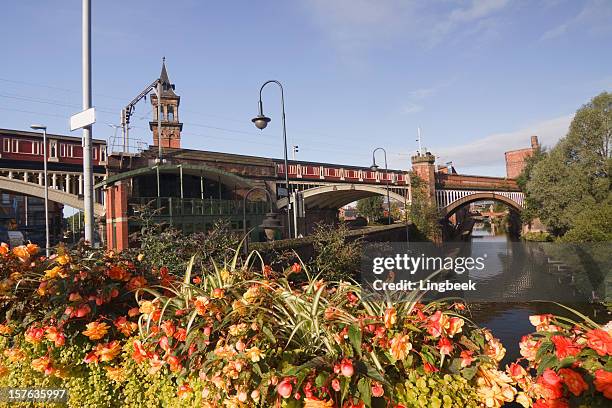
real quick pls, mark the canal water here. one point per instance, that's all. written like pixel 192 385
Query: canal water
pixel 518 293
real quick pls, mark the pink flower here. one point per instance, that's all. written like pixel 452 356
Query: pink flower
pixel 285 388
pixel 445 346
pixel 377 389
pixel 346 368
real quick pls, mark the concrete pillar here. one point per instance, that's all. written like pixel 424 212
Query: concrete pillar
pixel 41 177
pixel 25 176
pixel 80 184
pixel 10 175
pixel 68 181
pixel 54 181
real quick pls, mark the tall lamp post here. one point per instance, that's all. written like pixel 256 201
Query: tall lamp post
pixel 374 167
pixel 44 130
pixel 270 222
pixel 261 121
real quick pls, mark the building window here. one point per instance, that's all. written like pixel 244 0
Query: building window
pixel 7 145
pixel 170 113
pixel 36 148
pixel 95 153
pixel 70 149
pixel 102 153
pixel 53 149
pixel 62 149
pixel 15 146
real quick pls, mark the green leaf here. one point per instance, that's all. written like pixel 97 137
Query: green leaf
pixel 354 334
pixel 365 391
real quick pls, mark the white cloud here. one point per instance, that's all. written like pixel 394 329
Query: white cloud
pixel 355 25
pixel 488 152
pixel 594 18
pixel 411 108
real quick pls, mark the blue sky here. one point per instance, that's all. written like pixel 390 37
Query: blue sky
pixel 479 76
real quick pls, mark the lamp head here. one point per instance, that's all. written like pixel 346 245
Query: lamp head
pixel 261 121
pixel 374 167
pixel 38 127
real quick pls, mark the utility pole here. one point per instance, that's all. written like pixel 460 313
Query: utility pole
pixel 87 165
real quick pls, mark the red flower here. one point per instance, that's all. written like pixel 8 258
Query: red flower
pixel 335 385
pixel 429 368
pixel 445 346
pixel 551 383
pixel 181 334
pixel 140 353
pixel 466 358
pixel 600 341
pixel 574 381
pixel 91 357
pixel 565 347
pixel 603 382
pixel 555 403
pixel 168 327
pixel 296 268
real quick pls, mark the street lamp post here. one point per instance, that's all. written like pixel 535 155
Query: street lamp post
pixel 44 130
pixel 261 121
pixel 374 167
pixel 270 222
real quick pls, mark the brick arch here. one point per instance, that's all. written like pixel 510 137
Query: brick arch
pixel 455 205
pixel 339 195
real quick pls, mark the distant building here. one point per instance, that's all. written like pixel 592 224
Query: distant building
pixel 515 159
pixel 348 213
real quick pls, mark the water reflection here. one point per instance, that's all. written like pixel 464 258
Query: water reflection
pixel 508 319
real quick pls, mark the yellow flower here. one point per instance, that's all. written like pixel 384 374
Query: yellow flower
pixel 63 259
pixel 96 330
pixel 3 370
pixel 390 317
pixel 4 329
pixel 239 307
pixel 115 373
pixel 147 307
pixel 254 354
pixel 52 273
pixel 41 364
pixel 400 346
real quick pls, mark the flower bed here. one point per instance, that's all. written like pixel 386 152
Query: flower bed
pixel 117 333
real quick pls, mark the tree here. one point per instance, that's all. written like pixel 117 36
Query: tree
pixel 574 177
pixel 371 207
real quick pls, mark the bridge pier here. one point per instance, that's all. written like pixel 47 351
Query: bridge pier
pixel 116 199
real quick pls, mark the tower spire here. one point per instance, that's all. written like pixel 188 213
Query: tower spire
pixel 170 125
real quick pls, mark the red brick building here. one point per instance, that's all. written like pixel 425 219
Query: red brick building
pixel 515 159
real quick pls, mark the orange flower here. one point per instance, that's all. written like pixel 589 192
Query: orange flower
pixel 115 373
pixel 118 273
pixel 390 317
pixel 314 402
pixel 125 326
pixel 43 365
pixel 455 325
pixel 574 381
pixel 201 303
pixel 600 341
pixel 108 351
pixel 32 249
pixel 4 249
pixel 55 335
pixel 400 346
pixel 96 330
pixel 14 354
pixel 603 382
pixel 22 253
pixel 136 283
pixel 4 329
pixel 296 268
pixel 140 354
pixel 34 335
pixel 184 391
